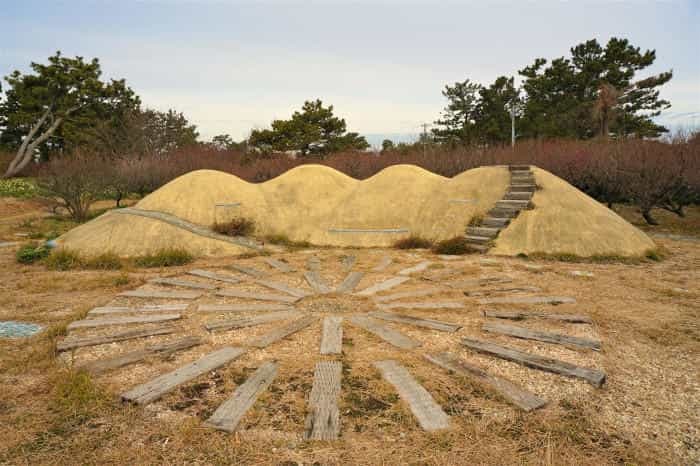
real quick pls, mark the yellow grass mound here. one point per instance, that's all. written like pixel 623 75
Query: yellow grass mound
pixel 325 207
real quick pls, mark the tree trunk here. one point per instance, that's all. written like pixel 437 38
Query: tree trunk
pixel 646 213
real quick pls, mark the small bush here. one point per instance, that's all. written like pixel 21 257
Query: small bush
pixel 454 246
pixel 236 227
pixel 121 280
pixel 413 242
pixel 63 259
pixel 106 261
pixel 284 240
pixel 164 258
pixel 31 253
pixel 476 220
pixel 18 187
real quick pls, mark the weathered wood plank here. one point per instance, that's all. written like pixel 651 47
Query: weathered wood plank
pixel 539 335
pixel 441 274
pixel 429 414
pixel 416 268
pixel 137 309
pixel 592 376
pixel 241 322
pixel 154 389
pixel 126 320
pixel 181 283
pixel 332 335
pixel 523 399
pixel 279 265
pixel 214 276
pixel 350 282
pixel 484 281
pixel 387 334
pixel 407 294
pixel 257 296
pixel 243 307
pixel 383 264
pixel 253 272
pixel 164 349
pixel 520 315
pixel 229 414
pixel 92 340
pixel 529 300
pixel 279 333
pixel 382 286
pixel 283 287
pixel 426 305
pixel 314 280
pixel 161 294
pixel 418 322
pixel 490 291
pixel 323 420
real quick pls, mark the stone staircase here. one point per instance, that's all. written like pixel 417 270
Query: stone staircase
pixel 522 187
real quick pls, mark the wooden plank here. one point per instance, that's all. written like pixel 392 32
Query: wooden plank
pixel 528 300
pixel 279 265
pixel 441 274
pixel 137 309
pixel 213 276
pixel 520 315
pixel 279 333
pixel 229 414
pixel 514 394
pixel 247 270
pixel 429 414
pixel 126 320
pixel 164 349
pixel 181 283
pixel 383 264
pixel 418 322
pixel 257 296
pixel 314 280
pixel 592 376
pixel 283 287
pixel 539 335
pixel 387 334
pixel 243 307
pixel 427 305
pixel 416 268
pixel 242 322
pixel 351 280
pixel 407 294
pixel 484 281
pixel 490 291
pixel 161 294
pixel 154 389
pixel 89 340
pixel 332 335
pixel 382 286
pixel 323 421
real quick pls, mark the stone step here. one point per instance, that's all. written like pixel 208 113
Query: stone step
pixel 522 180
pixel 493 222
pixel 478 239
pixel 483 231
pixel 522 187
pixel 518 196
pixel 503 212
pixel 513 204
pixel 518 167
pixel 478 247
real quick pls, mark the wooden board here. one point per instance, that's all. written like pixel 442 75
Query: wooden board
pixel 229 414
pixel 382 286
pixel 426 305
pixel 441 274
pixel 323 420
pixel 592 376
pixel 94 340
pixel 416 268
pixel 332 335
pixel 257 296
pixel 429 414
pixel 161 294
pixel 523 399
pixel 243 307
pixel 241 322
pixel 125 320
pixel 407 294
pixel 387 334
pixel 181 283
pixel 131 357
pixel 529 300
pixel 314 280
pixel 279 333
pixel 279 265
pixel 351 280
pixel 418 322
pixel 484 281
pixel 137 309
pixel 490 291
pixel 247 270
pixel 383 264
pixel 520 315
pixel 539 335
pixel 154 389
pixel 214 276
pixel 283 287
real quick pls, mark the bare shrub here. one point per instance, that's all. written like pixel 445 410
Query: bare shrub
pixel 413 242
pixel 237 227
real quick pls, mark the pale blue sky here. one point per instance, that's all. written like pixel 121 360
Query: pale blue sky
pixel 231 66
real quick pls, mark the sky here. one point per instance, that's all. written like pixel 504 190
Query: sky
pixel 231 66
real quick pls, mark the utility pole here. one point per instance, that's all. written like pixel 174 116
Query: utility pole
pixel 425 137
pixel 512 117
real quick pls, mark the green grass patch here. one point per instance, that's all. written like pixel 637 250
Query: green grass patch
pixel 33 252
pixel 164 258
pixel 453 247
pixel 651 255
pixel 63 259
pixel 413 242
pixel 18 187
